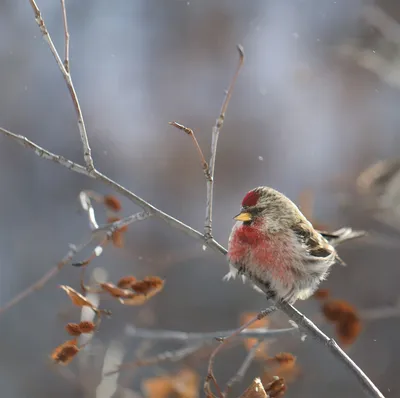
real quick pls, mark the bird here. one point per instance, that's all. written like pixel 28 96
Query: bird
pixel 273 245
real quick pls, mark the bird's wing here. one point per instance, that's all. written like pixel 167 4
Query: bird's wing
pixel 315 243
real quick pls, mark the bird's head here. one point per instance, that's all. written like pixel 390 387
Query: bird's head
pixel 269 209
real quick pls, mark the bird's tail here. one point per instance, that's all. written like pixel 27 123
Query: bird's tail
pixel 342 235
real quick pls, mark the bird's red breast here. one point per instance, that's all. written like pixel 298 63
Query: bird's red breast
pixel 257 251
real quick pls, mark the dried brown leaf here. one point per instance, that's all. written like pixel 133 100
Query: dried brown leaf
pixel 87 326
pixel 73 329
pixel 64 353
pixel 158 387
pixel 118 239
pixel 348 328
pixel 114 290
pixel 149 285
pixel 126 282
pixel 321 294
pixel 276 388
pixel 284 358
pixel 184 384
pixel 255 390
pixel 77 298
pixel 112 202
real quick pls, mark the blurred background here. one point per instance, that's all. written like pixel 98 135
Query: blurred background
pixel 315 104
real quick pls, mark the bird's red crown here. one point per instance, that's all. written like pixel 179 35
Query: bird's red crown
pixel 250 199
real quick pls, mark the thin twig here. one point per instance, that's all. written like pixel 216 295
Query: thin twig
pixel 87 153
pixel 190 132
pixel 45 278
pixel 237 378
pixel 214 141
pixel 66 36
pixel 45 154
pixel 210 373
pixel 150 334
pixel 171 356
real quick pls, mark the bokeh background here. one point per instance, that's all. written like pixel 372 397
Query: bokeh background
pixel 316 103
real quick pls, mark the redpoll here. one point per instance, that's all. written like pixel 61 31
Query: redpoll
pixel 277 248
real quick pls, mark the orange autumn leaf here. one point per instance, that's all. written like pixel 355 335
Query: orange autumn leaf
pixel 249 343
pixel 64 353
pixel 77 298
pixel 112 202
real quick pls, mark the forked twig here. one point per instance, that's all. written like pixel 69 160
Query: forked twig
pixel 87 153
pixel 243 368
pixel 190 132
pixel 214 142
pixel 210 376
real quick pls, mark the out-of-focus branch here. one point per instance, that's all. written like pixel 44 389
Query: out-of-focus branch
pixel 214 142
pixel 87 153
pixel 260 333
pixel 171 356
pixel 243 368
pixel 210 370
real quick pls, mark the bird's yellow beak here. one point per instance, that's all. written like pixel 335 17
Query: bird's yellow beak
pixel 243 217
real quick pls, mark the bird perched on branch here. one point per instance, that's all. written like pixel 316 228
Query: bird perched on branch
pixel 277 248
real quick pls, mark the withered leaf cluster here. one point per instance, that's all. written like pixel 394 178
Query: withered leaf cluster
pixel 130 291
pixel 342 314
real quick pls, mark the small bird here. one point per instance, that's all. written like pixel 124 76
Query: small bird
pixel 278 250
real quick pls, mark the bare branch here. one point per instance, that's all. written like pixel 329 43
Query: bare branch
pixel 45 154
pixel 87 153
pixel 305 324
pixel 66 36
pixel 214 142
pixel 45 278
pixel 171 356
pixel 190 132
pixel 237 378
pixel 210 375
pixel 150 334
